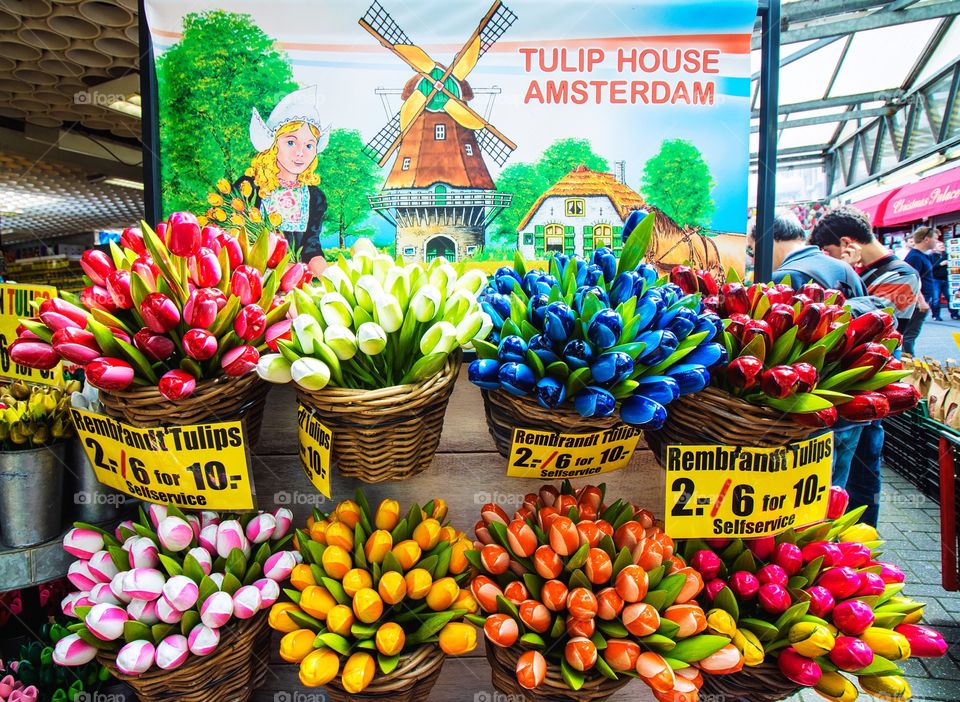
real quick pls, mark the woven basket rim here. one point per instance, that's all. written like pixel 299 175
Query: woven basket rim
pixel 506 659
pixel 140 392
pixel 742 406
pixel 411 668
pixel 527 408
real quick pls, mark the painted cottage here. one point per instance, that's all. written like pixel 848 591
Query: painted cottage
pixel 582 211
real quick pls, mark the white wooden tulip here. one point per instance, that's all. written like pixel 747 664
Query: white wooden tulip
pixel 82 543
pixel 203 640
pixel 72 651
pixel 135 658
pixel 105 621
pixel 216 610
pixel 172 652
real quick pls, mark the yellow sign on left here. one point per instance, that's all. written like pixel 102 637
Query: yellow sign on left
pixel 196 466
pixel 15 305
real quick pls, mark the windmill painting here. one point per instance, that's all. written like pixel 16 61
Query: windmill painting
pixel 439 193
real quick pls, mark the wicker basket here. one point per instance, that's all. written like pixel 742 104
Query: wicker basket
pixel 506 412
pixel 386 434
pixel 762 683
pixel 503 664
pixel 220 399
pixel 229 674
pixel 714 416
pixel 411 681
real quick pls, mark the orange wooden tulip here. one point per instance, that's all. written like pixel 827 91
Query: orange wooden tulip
pixel 482 532
pixel 689 617
pixel 336 561
pixel 407 553
pixel 317 601
pixel 367 605
pixel 590 495
pixel 485 592
pixel 522 514
pixel 674 564
pixel 378 546
pixel 564 503
pixel 516 592
pixel 355 579
pixel 609 604
pixel 589 533
pixel 339 534
pixel 442 594
pixel 493 513
pixel 640 618
pixel 621 654
pixel 549 495
pixel 318 531
pixel 629 535
pixel 348 512
pixel 535 616
pixel 522 538
pixel 727 660
pixel 554 595
pixel 339 620
pixel 390 638
pixel 418 582
pixel 581 653
pixel 301 576
pixel 564 538
pixel 501 630
pixel 495 559
pixel 393 587
pixel 531 669
pixel 466 602
pixel 586 511
pixel 605 527
pixel 547 563
pixel 691 586
pixel 598 567
pixel 546 516
pixel 581 603
pixel 387 515
pixel 655 671
pixel 457 638
pixel 458 558
pixel 427 534
pixel 666 542
pixel 580 627
pixel 632 583
pixel 278 619
pixel 645 517
pixel 648 555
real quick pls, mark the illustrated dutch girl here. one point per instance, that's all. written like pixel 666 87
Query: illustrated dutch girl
pixel 284 178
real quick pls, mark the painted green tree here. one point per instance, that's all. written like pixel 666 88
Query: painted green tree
pixel 208 84
pixel 347 177
pixel 677 180
pixel 527 181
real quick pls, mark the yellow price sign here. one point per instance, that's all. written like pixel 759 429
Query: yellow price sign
pixel 15 305
pixel 734 491
pixel 548 455
pixel 196 466
pixel 315 443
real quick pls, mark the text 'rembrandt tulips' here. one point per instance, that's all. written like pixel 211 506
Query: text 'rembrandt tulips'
pixel 595 590
pixel 373 585
pixel 161 589
pixel 372 323
pixel 168 308
pixel 597 336
pixel 818 600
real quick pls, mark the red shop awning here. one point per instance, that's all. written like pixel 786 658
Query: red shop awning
pixel 875 207
pixel 935 195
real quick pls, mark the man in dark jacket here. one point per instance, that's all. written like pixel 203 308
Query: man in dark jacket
pixel 924 241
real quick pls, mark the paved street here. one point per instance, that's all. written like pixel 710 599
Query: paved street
pixel 936 338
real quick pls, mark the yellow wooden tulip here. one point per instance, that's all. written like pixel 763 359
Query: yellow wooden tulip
pixel 390 639
pixel 378 546
pixel 319 667
pixel 387 515
pixel 427 534
pixel 357 673
pixel 348 512
pixel 442 594
pixel 356 579
pixel 336 561
pixel 295 645
pixel 340 619
pixel 418 582
pixel 457 638
pixel 301 576
pixel 278 619
pixel 339 534
pixel 367 605
pixel 392 587
pixel 317 601
pixel 407 553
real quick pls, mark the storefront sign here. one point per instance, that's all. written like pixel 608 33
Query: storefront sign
pixel 197 466
pixel 547 455
pixel 15 305
pixel 731 491
pixel 315 443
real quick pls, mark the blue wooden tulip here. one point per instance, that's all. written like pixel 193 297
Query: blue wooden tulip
pixel 683 322
pixel 605 328
pixel 647 308
pixel 659 345
pixel 505 279
pixel 707 355
pixel 562 261
pixel 538 281
pixel 580 296
pixel 512 348
pixel 517 378
pixel 611 368
pixel 643 412
pixel 558 322
pixel 589 274
pixel 607 260
pixel 624 287
pixel 648 273
pixel 633 219
pixel 485 373
pixel 709 322
pixel 543 347
pixel 550 393
pixel 537 308
pixel 498 307
pixel 690 377
pixel 671 293
pixel 660 388
pixel 594 402
pixel 577 354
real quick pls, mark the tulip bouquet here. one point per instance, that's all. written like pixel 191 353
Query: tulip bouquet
pixel 373 323
pixel 818 601
pixel 34 415
pixel 160 589
pixel 595 590
pixel 597 335
pixel 237 207
pixel 799 351
pixel 374 586
pixel 168 309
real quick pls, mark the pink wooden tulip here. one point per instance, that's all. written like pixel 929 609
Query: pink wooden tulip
pixel 871 584
pixel 246 282
pixel 183 234
pixel 143 583
pixel 143 553
pixel 177 384
pixel 95 297
pixel 205 268
pixel 159 313
pixel 124 529
pixel 240 360
pixel 853 617
pixel 194 522
pixel 891 573
pixel 269 592
pixel 277 249
pixel 803 671
pixel 69 603
pixel 837 502
pixel 97 265
pixel 57 313
pixel 118 285
pixel 132 239
pixel 143 611
pixel 199 344
pixel 157 513
pixel 80 576
pixel 230 536
pixel 82 543
pixel 261 528
pixel 109 373
pixel 841 582
pixel 101 567
pixel 246 602
pixel 216 610
pixel 279 566
pixel 181 592
pixel 761 547
pixel 209 517
pixel 73 651
pixel 924 641
pixel 174 534
pixel 250 322
pixel 172 652
pixel 166 612
pixel 102 594
pixel 849 653
pixel 208 537
pixel 275 332
pixel 156 347
pixel 234 251
pixel 105 621
pixel 33 354
pixel 821 601
pixel 203 640
pixel 209 236
pixel 284 518
pixel 774 599
pixel 116 587
pixel 789 557
pixel 202 556
pixel 76 345
pixel 293 276
pixel 200 309
pixel 135 658
pixel 147 271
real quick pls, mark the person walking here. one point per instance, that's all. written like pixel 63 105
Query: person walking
pixel 924 241
pixel 941 270
pixel 845 234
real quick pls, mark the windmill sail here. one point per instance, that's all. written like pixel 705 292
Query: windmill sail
pixel 494 146
pixel 377 147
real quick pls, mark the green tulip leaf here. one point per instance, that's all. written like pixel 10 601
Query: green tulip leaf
pixel 799 403
pixel 137 631
pixel 782 346
pixel 573 678
pixel 842 379
pixel 696 648
pixel 881 379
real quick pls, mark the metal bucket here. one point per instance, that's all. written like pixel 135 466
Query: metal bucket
pixel 31 492
pixel 88 500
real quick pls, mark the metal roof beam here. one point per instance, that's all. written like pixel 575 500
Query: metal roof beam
pixel 838 101
pixel 806 11
pixel 828 119
pixel 876 20
pixel 813 151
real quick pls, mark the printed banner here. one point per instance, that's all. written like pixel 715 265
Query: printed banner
pixel 732 491
pixel 15 305
pixel 197 466
pixel 547 455
pixel 315 444
pixel 461 129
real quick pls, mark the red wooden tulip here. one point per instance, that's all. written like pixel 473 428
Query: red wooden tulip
pixel 118 286
pixel 97 265
pixel 813 291
pixel 808 376
pixel 201 308
pixel 234 250
pixel 293 276
pixel 864 407
pixel 779 382
pixel 76 345
pixel 788 557
pixel 853 617
pixel 737 323
pixel 199 344
pixel 685 279
pixel 246 282
pixel 891 573
pixel 176 385
pixel 780 318
pixel 871 585
pixel 803 671
pixel 159 313
pixel 744 372
pixel 755 328
pixel 155 347
pixel 744 585
pixel 774 599
pixel 250 322
pixel 57 313
pixel 628 535
pixel 277 248
pixel 240 360
pixel 205 268
pixel 109 374
pixel 521 537
pixel 94 297
pixel 772 573
pixel 132 239
pixel 816 420
pixel 869 327
pixel 33 354
pixel 850 653
pixel 830 551
pixel 145 269
pixel 734 298
pixel 713 588
pixel 837 502
pixel 706 283
pixel 900 396
pixel 275 332
pixel 183 234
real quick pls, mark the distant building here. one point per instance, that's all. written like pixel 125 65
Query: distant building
pixel 583 211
